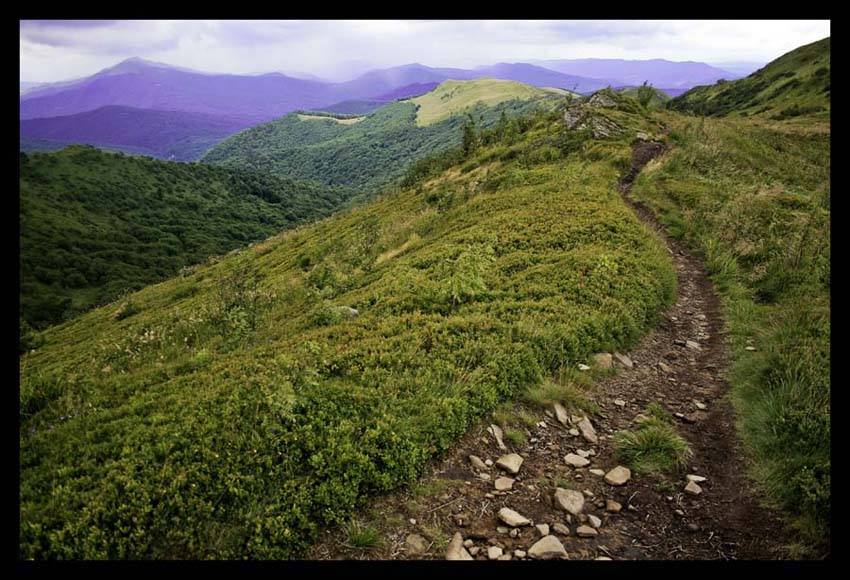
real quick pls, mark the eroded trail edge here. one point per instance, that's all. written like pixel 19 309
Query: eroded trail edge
pixel 680 366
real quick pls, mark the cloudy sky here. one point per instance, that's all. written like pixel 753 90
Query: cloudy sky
pixel 63 49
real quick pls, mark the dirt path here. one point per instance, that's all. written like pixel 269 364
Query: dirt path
pixel 658 520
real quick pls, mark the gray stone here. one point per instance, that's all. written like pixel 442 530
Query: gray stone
pixel 587 430
pixel 512 518
pixel 665 367
pixel 603 360
pixel 597 472
pixel 493 552
pixel 601 100
pixel 620 402
pixel 569 500
pixel 477 463
pixel 560 413
pixel 468 543
pixel 618 476
pixel 504 483
pixel 484 476
pixel 574 432
pixel 514 533
pixel 547 548
pixel 415 545
pixel 576 460
pixel 347 311
pixel 502 529
pixel 519 553
pixel 456 551
pixel 594 521
pixel 624 360
pixel 510 462
pixel 505 557
pixel 586 532
pixel 474 550
pixel 488 463
pixel 583 367
pixel 560 528
pixel 587 493
pixel 696 478
pixel 497 434
pixel 692 488
pixel 542 529
pixel 750 348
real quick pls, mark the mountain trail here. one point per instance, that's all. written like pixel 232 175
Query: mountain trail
pixel 679 365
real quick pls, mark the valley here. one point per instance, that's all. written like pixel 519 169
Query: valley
pixel 523 311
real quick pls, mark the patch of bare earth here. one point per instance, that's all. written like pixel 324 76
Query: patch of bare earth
pixel 679 365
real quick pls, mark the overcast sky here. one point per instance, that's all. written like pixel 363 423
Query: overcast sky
pixel 63 49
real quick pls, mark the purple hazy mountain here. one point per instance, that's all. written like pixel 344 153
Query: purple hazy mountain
pixel 658 72
pixel 538 76
pixel 145 85
pixel 177 135
pixel 407 91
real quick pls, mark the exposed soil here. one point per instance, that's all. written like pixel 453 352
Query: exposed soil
pixel 658 519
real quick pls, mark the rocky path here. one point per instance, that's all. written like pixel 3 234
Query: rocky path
pixel 561 494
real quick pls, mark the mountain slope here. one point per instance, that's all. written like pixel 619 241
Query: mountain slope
pixel 369 154
pixel 96 224
pixel 245 400
pixel 173 135
pixel 453 98
pixel 795 84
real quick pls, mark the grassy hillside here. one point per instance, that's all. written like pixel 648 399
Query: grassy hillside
pixel 241 407
pixel 364 156
pixel 754 198
pixel 795 84
pixel 96 224
pixel 453 98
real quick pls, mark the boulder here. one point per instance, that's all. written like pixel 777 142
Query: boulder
pixel 510 462
pixel 504 483
pixel 587 430
pixel 512 518
pixel 618 476
pixel 477 463
pixel 576 460
pixel 547 548
pixel 497 434
pixel 569 500
pixel 624 360
pixel 560 413
pixel 601 100
pixel 456 551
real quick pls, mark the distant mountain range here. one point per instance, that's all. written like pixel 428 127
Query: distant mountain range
pixel 175 135
pixel 657 72
pixel 177 113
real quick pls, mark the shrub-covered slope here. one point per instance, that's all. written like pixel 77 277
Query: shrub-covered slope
pixel 364 156
pixel 795 84
pixel 95 224
pixel 754 198
pixel 232 411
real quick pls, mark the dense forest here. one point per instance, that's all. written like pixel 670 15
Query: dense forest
pixel 95 224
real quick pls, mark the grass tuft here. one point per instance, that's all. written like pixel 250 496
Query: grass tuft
pixel 654 447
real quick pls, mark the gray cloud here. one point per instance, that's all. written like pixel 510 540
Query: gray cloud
pixel 55 50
